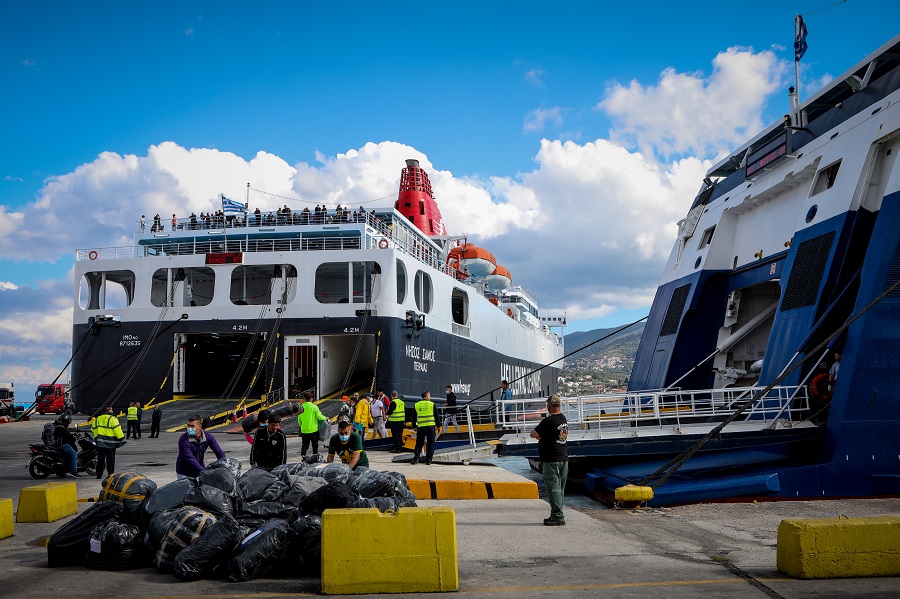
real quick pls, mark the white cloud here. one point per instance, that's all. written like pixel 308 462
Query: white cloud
pixel 12 179
pixel 6 285
pixel 533 76
pixel 690 113
pixel 539 118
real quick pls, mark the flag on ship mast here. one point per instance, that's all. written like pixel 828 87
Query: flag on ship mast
pixel 799 38
pixel 232 206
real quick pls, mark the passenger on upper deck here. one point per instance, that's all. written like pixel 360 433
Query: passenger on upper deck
pixel 174 222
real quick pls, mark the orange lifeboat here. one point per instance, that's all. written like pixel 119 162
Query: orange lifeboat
pixel 499 279
pixel 476 260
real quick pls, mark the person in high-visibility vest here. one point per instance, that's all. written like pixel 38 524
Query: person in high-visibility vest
pixel 308 420
pixel 132 415
pixel 426 419
pixel 108 436
pixel 396 420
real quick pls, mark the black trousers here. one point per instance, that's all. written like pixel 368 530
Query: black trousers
pixel 154 428
pixel 106 456
pixel 307 439
pixel 137 428
pixel 396 434
pixel 131 430
pixel 423 433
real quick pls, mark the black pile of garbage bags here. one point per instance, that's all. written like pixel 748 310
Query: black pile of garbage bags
pixel 221 524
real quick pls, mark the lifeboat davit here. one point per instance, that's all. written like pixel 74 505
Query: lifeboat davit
pixel 477 261
pixel 499 279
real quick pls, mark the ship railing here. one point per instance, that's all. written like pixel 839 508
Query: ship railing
pixel 254 219
pixel 661 408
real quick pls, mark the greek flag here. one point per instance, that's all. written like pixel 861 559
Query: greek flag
pixel 799 38
pixel 232 206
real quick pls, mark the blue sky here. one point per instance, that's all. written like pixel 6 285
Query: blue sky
pixel 511 104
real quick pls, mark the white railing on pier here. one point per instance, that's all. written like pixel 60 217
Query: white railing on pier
pixel 659 408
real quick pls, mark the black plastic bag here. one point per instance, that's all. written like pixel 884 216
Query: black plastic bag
pixel 211 499
pixel 130 489
pixel 69 545
pixel 301 487
pixel 333 472
pixel 314 458
pixel 220 478
pixel 383 504
pixel 115 546
pixel 306 550
pixel 255 482
pixel 167 497
pixel 266 510
pixel 187 526
pixel 200 557
pixel 233 465
pixel 292 468
pixel 261 552
pixel 157 527
pixel 332 496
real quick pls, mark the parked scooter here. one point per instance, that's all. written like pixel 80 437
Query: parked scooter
pixel 50 459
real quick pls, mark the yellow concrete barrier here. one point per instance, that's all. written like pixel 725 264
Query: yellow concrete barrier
pixel 472 489
pixel 839 548
pixel 7 528
pixel 411 551
pixel 47 503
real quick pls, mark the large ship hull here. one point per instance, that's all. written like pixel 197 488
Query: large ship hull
pixel 786 264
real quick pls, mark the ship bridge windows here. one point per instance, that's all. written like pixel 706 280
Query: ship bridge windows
pixel 825 178
pixel 338 282
pixel 459 306
pixel 256 285
pixel 190 286
pixel 422 290
pixel 707 237
pixel 106 290
pixel 401 281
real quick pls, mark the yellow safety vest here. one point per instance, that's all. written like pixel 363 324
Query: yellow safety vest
pixel 399 413
pixel 106 431
pixel 425 413
pixel 132 413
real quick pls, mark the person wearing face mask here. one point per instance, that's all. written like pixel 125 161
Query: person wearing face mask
pixel 348 445
pixel 191 447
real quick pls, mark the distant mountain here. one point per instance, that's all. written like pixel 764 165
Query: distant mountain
pixel 623 345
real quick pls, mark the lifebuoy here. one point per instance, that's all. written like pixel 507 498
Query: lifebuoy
pixel 509 312
pixel 92 254
pixel 820 387
pixel 383 244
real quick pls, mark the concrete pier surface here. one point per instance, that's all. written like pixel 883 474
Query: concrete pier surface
pixel 714 550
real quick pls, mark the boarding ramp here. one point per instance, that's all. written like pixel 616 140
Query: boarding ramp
pixel 661 411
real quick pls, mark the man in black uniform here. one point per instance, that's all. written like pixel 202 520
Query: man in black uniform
pixel 270 445
pixel 551 434
pixel 65 440
pixel 155 417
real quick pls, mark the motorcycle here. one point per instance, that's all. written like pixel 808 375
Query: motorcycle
pixel 49 459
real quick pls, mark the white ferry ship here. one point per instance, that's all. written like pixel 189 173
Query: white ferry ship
pixel 281 302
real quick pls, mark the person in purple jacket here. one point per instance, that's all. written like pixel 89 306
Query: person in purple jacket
pixel 191 447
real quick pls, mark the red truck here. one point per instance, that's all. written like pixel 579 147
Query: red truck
pixel 51 398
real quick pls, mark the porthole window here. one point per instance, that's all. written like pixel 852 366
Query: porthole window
pixel 422 291
pixel 401 282
pixel 811 213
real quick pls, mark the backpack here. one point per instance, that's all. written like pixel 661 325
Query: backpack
pixel 47 434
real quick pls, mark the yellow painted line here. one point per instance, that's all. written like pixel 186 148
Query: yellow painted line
pixel 472 489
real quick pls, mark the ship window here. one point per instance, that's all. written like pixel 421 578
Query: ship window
pixel 707 237
pixel 365 281
pixel 825 178
pixel 182 286
pixel 422 291
pixel 459 306
pixel 422 208
pixel 106 290
pixel 401 282
pixel 263 284
pixel 337 282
